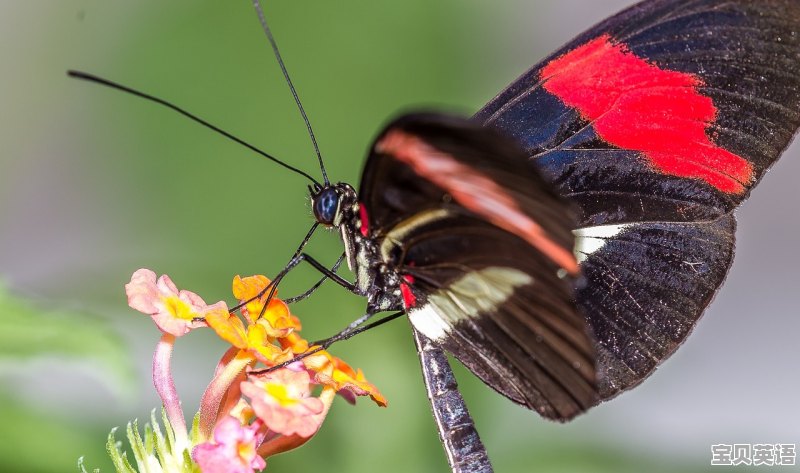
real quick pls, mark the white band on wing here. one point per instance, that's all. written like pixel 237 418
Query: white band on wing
pixel 590 239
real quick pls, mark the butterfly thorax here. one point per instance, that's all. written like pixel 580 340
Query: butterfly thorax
pixel 337 206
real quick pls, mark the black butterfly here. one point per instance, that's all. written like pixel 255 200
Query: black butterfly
pixel 565 240
pixel 640 138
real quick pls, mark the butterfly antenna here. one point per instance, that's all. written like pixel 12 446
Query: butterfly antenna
pixel 99 80
pixel 263 19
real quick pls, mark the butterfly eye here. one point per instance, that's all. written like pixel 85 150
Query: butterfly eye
pixel 326 204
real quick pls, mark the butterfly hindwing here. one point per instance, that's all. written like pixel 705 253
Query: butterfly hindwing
pixel 646 284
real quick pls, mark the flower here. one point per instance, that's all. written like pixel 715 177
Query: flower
pixel 247 413
pixel 335 373
pixel 277 313
pixel 256 338
pixel 233 449
pixel 174 312
pixel 281 399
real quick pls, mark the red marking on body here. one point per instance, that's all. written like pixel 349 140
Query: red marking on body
pixel 409 299
pixel 362 214
pixel 636 105
pixel 475 191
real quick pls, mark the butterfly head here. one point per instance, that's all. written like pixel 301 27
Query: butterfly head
pixel 331 202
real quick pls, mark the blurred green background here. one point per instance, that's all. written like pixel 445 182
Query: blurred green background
pixel 95 184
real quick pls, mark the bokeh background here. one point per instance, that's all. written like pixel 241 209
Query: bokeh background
pixel 95 184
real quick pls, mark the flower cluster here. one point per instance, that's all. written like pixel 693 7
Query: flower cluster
pixel 248 412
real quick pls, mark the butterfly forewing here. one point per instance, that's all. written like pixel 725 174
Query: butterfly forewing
pixel 499 308
pixel 671 110
pixel 485 250
pixel 657 123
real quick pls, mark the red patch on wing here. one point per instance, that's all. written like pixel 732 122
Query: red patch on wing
pixel 362 214
pixel 409 299
pixel 636 105
pixel 475 191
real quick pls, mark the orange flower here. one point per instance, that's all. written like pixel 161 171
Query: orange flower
pixel 277 313
pixel 256 339
pixel 295 343
pixel 335 373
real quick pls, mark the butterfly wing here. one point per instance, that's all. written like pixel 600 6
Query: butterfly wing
pixel 669 110
pixel 485 251
pixel 657 123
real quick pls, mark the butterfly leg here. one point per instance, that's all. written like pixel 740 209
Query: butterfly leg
pixel 352 330
pixel 324 270
pixel 308 292
pixel 357 327
pixel 297 259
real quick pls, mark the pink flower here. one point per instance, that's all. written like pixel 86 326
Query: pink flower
pixel 282 400
pixel 233 449
pixel 174 312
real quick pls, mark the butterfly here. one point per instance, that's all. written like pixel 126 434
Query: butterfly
pixel 564 241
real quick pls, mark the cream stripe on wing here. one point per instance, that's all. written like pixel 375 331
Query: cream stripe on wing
pixel 395 236
pixel 477 292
